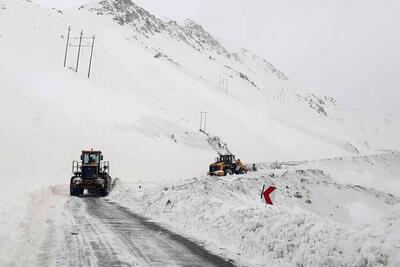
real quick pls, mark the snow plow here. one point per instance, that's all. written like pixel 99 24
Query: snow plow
pixel 90 173
pixel 227 164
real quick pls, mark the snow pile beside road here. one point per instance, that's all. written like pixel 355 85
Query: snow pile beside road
pixel 313 222
pixel 11 216
pixel 381 172
pixel 23 226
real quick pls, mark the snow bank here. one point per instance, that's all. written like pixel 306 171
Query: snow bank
pixel 312 222
pixel 381 172
pixel 23 227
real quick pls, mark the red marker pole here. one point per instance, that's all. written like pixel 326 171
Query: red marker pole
pixel 262 191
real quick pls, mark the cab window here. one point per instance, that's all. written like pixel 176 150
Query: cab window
pixel 90 158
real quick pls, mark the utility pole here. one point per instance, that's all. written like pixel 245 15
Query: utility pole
pixel 80 46
pixel 223 84
pixel 91 56
pixel 281 95
pixel 79 51
pixel 227 85
pixel 203 121
pixel 66 47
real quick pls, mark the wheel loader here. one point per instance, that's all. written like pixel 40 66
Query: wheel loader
pixel 227 164
pixel 90 173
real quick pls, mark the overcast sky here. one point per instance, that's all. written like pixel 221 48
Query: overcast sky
pixel 349 49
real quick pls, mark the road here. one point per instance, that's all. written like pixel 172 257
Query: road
pixel 91 231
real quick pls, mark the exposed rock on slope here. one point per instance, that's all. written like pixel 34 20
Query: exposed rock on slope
pixel 125 12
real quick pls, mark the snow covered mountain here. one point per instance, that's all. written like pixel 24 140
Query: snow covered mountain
pixel 150 81
pixel 147 25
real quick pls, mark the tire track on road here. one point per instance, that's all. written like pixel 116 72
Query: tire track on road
pixel 91 231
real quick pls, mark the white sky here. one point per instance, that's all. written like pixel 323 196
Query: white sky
pixel 349 49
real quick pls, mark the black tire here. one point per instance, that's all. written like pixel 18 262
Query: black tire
pixel 107 189
pixel 80 191
pixel 73 191
pixel 104 192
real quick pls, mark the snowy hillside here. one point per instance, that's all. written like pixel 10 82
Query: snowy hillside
pixel 337 172
pixel 150 80
pixel 317 219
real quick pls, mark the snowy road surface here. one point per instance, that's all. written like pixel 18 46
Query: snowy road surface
pixel 95 232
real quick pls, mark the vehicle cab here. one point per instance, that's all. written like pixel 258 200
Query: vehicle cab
pixel 90 163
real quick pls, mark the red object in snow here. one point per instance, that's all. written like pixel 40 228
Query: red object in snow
pixel 267 193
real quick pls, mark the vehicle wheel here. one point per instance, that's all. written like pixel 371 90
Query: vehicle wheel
pixel 72 190
pixel 80 191
pixel 106 190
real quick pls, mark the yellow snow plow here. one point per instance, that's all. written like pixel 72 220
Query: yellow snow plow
pixel 227 164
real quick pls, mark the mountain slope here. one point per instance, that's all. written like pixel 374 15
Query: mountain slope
pixel 150 80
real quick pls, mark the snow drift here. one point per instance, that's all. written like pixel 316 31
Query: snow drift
pixel 315 219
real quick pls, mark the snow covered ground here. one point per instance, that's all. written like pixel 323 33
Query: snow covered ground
pixel 317 219
pixel 377 171
pixel 24 223
pixel 50 228
pixel 150 80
